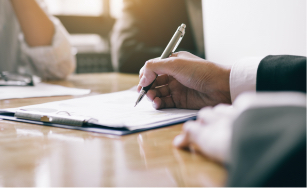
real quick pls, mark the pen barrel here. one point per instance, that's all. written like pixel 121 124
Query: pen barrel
pixel 171 47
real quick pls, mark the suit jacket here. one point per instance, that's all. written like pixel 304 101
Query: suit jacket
pixel 145 28
pixel 282 73
pixel 269 144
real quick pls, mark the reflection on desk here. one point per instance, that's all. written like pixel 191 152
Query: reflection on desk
pixel 33 155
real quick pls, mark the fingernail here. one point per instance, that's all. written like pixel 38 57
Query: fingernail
pixel 142 81
pixel 148 99
pixel 154 105
pixel 178 140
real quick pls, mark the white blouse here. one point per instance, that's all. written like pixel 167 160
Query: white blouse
pixel 49 62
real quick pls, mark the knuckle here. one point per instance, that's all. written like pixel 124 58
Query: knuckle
pixel 172 61
pixel 148 64
pixel 187 126
pixel 204 112
pixel 175 54
pixel 205 109
pixel 141 71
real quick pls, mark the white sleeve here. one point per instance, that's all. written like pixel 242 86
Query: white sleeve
pixel 56 61
pixel 243 76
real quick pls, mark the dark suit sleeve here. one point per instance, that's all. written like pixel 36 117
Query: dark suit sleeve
pixel 282 73
pixel 269 148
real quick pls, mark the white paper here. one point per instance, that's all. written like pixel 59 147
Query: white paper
pixel 115 110
pixel 39 90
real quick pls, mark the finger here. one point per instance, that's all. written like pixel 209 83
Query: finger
pixel 179 54
pixel 151 94
pixel 163 91
pixel 161 80
pixel 191 132
pixel 223 109
pixel 174 54
pixel 194 130
pixel 183 140
pixel 184 54
pixel 189 126
pixel 159 92
pixel 213 140
pixel 179 68
pixel 163 102
pixel 141 72
pixel 210 115
pixel 139 88
pixel 155 67
pixel 205 115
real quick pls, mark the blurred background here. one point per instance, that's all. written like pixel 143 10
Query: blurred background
pixel 89 22
pixel 236 29
pixel 232 30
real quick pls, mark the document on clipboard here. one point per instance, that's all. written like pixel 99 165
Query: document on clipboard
pixel 112 113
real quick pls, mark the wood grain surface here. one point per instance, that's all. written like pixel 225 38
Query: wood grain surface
pixel 33 155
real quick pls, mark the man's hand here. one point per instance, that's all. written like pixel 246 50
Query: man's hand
pixel 211 134
pixel 185 81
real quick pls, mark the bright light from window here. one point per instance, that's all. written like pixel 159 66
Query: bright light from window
pixel 116 8
pixel 75 7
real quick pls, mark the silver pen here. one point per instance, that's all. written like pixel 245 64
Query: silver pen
pixel 170 48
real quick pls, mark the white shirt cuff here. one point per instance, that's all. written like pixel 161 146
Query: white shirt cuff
pixel 243 76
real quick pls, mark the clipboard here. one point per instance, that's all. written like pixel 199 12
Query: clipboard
pixel 64 118
pixel 93 128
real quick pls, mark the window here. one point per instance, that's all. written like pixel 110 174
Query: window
pixel 89 23
pixel 85 7
pixel 116 7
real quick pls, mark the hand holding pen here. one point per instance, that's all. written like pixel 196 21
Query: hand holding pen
pixel 170 48
pixel 185 81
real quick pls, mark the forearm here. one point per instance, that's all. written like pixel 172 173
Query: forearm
pixel 55 61
pixel 37 28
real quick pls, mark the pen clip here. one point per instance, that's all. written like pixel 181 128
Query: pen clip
pixel 180 29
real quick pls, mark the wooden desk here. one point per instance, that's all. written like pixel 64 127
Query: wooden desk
pixel 33 155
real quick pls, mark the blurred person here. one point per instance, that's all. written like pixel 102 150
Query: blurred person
pixel 262 138
pixel 145 28
pixel 32 41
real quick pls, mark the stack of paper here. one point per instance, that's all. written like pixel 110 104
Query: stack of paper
pixel 39 90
